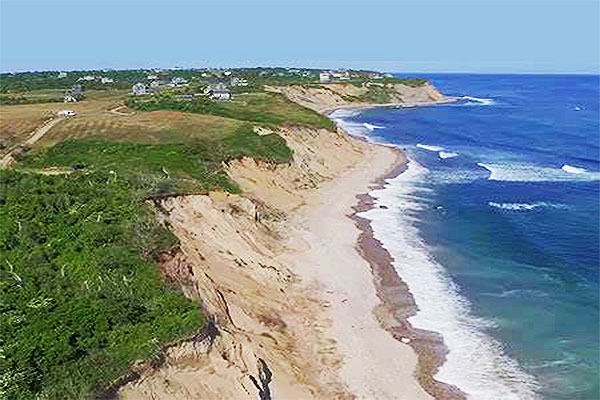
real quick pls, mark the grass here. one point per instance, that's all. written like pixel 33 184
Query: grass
pixel 265 108
pixel 81 296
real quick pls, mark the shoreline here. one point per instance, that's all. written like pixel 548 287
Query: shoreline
pixel 397 302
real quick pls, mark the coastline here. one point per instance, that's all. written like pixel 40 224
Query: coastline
pixel 301 294
pixel 397 302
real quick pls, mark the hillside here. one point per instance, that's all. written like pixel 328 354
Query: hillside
pixel 326 97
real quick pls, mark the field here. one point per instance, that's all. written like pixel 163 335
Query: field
pixel 263 108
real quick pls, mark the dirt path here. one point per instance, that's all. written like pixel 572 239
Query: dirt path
pixel 116 111
pixel 8 159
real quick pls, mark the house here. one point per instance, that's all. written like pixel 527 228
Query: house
pixel 139 89
pixel 178 81
pixel 152 77
pixel 324 77
pixel 104 80
pixel 86 78
pixel 62 75
pixel 74 94
pixel 218 92
pixel 235 81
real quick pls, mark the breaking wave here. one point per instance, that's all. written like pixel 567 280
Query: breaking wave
pixel 521 172
pixel 573 170
pixel 476 101
pixel 525 206
pixel 372 127
pixel 444 155
pixel 491 374
pixel 430 148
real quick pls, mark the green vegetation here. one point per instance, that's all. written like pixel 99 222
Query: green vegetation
pixel 378 94
pixel 268 108
pixel 81 297
pixel 20 99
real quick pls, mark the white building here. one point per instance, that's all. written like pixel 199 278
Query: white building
pixel 62 75
pixel 139 89
pixel 152 77
pixel 178 81
pixel 218 92
pixel 235 81
pixel 324 77
pixel 106 80
pixel 86 78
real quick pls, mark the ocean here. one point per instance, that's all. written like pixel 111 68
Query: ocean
pixel 494 227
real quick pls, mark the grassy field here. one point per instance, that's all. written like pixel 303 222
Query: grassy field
pixel 264 108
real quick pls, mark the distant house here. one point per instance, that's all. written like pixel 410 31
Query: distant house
pixel 324 77
pixel 86 78
pixel 74 94
pixel 62 75
pixel 235 81
pixel 152 77
pixel 218 92
pixel 139 89
pixel 178 81
pixel 104 80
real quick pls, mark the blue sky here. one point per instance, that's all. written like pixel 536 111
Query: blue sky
pixel 481 36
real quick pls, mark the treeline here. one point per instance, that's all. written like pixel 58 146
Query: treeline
pixel 9 100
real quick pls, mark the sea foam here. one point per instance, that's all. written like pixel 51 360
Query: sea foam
pixel 525 206
pixel 372 127
pixel 573 170
pixel 476 362
pixel 477 101
pixel 522 172
pixel 444 154
pixel 430 148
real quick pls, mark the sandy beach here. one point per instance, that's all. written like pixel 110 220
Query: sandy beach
pixel 375 364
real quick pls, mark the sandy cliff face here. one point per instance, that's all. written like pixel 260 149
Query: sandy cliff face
pixel 289 298
pixel 267 321
pixel 329 96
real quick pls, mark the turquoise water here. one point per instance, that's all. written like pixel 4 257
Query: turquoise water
pixel 495 228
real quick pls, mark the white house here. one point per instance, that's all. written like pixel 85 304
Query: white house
pixel 86 78
pixel 62 75
pixel 218 92
pixel 152 77
pixel 178 81
pixel 235 81
pixel 139 89
pixel 324 77
pixel 104 80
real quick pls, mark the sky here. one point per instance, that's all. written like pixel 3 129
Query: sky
pixel 483 36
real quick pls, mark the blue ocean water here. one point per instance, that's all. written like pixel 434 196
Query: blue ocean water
pixel 495 228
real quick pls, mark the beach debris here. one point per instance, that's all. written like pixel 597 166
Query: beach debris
pixel 264 378
pixel 405 340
